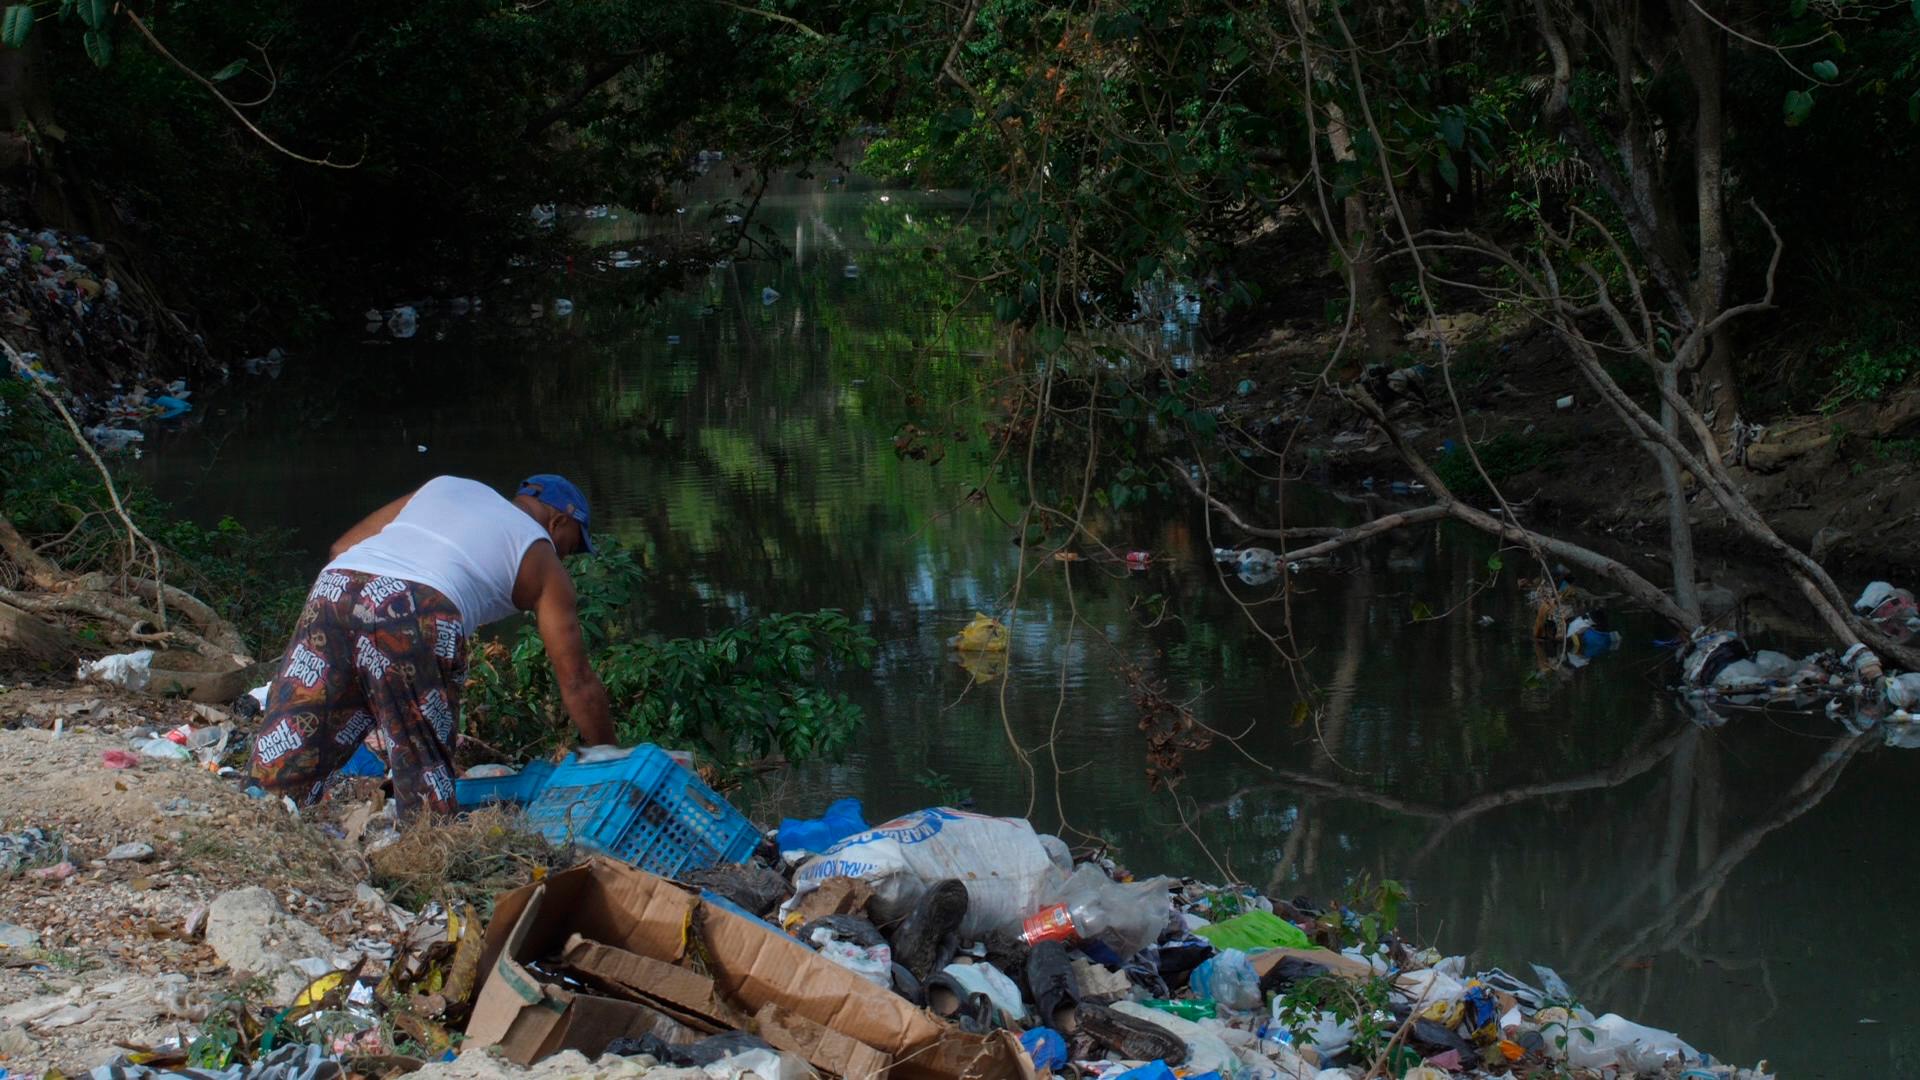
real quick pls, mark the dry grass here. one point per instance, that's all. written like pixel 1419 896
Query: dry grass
pixel 464 861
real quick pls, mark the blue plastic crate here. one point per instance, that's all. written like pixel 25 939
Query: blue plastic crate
pixel 643 809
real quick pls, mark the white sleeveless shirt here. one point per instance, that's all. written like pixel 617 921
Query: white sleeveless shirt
pixel 458 536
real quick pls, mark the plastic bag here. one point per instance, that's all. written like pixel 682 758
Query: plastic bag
pixel 1229 980
pixel 987 979
pixel 1619 1041
pixel 873 963
pixel 984 634
pixel 132 670
pixel 1046 1047
pixel 1001 860
pixel 1255 930
pixel 800 837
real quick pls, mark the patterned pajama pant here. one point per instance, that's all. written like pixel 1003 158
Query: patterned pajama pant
pixel 372 656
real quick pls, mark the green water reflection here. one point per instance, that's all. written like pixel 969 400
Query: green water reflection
pixel 1744 885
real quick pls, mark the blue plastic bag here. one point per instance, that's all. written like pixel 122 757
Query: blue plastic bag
pixel 1152 1070
pixel 1228 979
pixel 843 819
pixel 1046 1047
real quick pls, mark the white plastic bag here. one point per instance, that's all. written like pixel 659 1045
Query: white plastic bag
pixel 873 963
pixel 132 670
pixel 1205 1051
pixel 1001 861
pixel 1619 1041
pixel 987 979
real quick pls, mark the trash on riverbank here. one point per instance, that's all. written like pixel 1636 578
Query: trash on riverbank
pixel 1003 957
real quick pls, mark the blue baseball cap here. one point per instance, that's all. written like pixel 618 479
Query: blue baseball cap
pixel 558 492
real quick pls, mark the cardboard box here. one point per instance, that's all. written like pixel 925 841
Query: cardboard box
pixel 823 1048
pixel 677 991
pixel 1335 963
pixel 739 962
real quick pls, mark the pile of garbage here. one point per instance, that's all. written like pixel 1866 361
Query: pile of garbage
pixel 942 943
pixel 1719 670
pixel 61 303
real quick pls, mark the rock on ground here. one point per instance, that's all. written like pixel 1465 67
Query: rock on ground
pixel 250 934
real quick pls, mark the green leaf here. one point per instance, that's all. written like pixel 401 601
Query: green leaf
pixel 1454 131
pixel 1421 612
pixel 1795 109
pixel 1494 564
pixel 1916 11
pixel 1449 172
pixel 99 47
pixel 1913 108
pixel 229 71
pixel 1827 70
pixel 94 14
pixel 15 24
pixel 1797 8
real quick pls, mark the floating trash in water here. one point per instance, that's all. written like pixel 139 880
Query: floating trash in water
pixel 404 322
pixel 420 447
pixel 563 306
pixel 673 339
pixel 851 270
pixel 769 294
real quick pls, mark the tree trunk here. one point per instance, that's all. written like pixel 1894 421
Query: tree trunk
pixel 1679 523
pixel 1362 251
pixel 37 641
pixel 1706 60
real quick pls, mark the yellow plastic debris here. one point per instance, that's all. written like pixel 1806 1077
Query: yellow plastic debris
pixel 1447 1014
pixel 984 634
pixel 319 988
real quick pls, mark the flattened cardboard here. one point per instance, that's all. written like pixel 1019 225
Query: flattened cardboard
pixel 834 896
pixel 684 990
pixel 751 965
pixel 1268 959
pixel 823 1048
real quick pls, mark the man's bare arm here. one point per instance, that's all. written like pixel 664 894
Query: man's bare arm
pixel 368 525
pixel 545 588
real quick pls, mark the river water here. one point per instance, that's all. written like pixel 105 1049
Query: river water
pixel 1743 885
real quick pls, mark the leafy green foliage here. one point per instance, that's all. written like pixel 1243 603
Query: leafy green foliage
pixel 1868 369
pixel 747 692
pixel 15 24
pixel 1504 456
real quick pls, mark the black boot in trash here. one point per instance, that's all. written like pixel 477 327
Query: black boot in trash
pixel 1054 991
pixel 929 933
pixel 1131 1037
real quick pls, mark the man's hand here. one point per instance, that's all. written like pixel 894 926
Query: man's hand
pixel 544 588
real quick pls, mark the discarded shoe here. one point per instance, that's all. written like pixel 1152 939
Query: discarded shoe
pixel 971 1012
pixel 1054 991
pixel 1132 1038
pixel 907 986
pixel 928 934
pixel 1008 953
